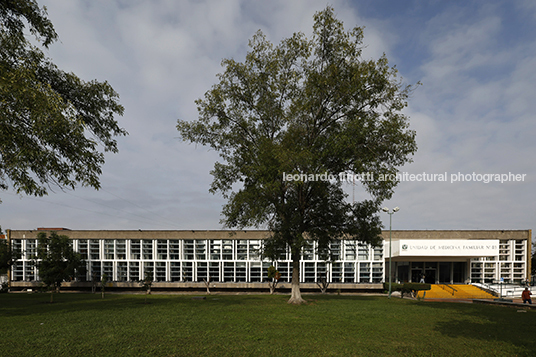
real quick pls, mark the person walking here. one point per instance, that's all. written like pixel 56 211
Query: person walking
pixel 525 295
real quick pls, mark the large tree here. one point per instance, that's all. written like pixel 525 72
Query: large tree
pixel 56 261
pixel 54 126
pixel 308 107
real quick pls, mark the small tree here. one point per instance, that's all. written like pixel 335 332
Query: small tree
pixel 273 278
pixel 147 283
pixel 56 261
pixel 323 282
pixel 7 255
pixel 94 282
pixel 207 284
pixel 104 281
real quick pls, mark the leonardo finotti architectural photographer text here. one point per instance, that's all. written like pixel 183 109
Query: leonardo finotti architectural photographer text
pixel 408 177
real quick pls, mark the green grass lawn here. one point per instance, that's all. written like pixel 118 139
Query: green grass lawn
pixel 258 325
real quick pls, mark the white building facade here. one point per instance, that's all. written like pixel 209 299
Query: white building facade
pixel 182 258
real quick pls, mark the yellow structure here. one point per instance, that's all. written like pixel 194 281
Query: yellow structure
pixel 459 291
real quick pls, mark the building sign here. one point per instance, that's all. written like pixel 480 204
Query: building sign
pixel 446 247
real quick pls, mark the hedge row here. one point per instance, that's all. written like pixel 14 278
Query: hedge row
pixel 405 288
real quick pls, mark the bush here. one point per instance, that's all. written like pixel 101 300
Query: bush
pixel 407 288
pixel 4 288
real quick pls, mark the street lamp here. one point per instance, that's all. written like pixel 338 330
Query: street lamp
pixel 385 209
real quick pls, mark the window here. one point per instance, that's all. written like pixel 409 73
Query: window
pixel 95 271
pixel 336 272
pixel 214 271
pixel 108 249
pixel 228 271
pixel 350 250
pixel 174 250
pixel 476 272
pixel 31 250
pixel 364 272
pixel 215 249
pixel 134 271
pixel 82 248
pixel 349 272
pixel 122 271
pixel 378 253
pixel 202 273
pixel 363 252
pixel 377 272
pixel 227 246
pixel 335 250
pixel 241 271
pixel 519 269
pixel 29 271
pixel 148 269
pixel 489 272
pixel 135 249
pixel 94 250
pixel 108 269
pixel 519 250
pixel 308 252
pixel 160 271
pixel 256 272
pixel 187 271
pixel 18 270
pixel 321 269
pixel 284 270
pixel 147 249
pixel 504 250
pixel 264 271
pixel 161 249
pixel 175 270
pixel 309 272
pixel 188 249
pixel 241 249
pixel 254 250
pixel 200 251
pixel 121 249
pixel 16 245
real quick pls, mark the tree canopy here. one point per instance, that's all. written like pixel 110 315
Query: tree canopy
pixel 305 107
pixel 54 126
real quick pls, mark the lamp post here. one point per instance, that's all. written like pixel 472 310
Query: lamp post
pixel 385 209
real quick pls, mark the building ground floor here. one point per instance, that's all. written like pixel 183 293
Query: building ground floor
pixel 182 259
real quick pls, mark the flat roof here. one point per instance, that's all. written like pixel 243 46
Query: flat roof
pixel 263 234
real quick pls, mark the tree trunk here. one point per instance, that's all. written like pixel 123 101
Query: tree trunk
pixel 207 284
pixel 295 297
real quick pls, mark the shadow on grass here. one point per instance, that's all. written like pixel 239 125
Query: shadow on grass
pixel 19 304
pixel 484 322
pixel 28 304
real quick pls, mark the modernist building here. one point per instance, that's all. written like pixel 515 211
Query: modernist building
pixel 179 259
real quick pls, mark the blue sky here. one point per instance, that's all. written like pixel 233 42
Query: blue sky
pixel 473 112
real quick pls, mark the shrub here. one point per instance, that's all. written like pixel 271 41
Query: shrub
pixel 407 288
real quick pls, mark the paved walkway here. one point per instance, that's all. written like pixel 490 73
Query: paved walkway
pixel 518 303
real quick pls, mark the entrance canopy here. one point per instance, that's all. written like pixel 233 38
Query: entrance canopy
pixel 445 248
